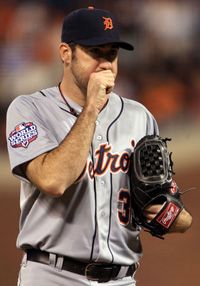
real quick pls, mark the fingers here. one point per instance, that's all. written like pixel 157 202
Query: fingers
pixel 151 211
pixel 100 85
pixel 102 80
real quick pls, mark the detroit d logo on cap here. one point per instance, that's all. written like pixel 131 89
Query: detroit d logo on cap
pixel 108 24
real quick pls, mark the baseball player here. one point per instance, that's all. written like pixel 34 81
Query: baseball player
pixel 70 147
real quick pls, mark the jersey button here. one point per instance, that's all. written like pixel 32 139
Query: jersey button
pixel 103 214
pixel 97 122
pixel 102 182
pixel 99 137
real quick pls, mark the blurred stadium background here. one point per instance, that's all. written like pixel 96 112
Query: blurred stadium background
pixel 163 73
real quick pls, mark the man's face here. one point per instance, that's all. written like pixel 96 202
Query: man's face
pixel 87 60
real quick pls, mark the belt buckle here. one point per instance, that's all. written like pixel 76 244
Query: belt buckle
pixel 88 270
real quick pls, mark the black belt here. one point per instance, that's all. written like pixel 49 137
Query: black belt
pixel 100 272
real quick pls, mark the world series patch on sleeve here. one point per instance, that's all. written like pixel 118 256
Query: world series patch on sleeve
pixel 23 135
pixel 152 184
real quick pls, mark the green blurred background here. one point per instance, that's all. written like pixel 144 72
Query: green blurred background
pixel 163 73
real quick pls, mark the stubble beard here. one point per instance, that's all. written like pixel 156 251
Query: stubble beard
pixel 78 77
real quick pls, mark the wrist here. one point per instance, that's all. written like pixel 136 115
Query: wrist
pixel 91 110
pixel 182 223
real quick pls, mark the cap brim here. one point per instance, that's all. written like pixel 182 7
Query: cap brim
pixel 99 42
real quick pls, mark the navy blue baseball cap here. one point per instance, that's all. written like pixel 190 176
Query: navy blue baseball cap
pixel 92 27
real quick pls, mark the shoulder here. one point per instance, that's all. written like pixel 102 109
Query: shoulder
pixel 133 111
pixel 27 100
pixel 19 103
pixel 130 104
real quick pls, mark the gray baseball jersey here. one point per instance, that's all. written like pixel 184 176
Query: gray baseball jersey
pixel 92 220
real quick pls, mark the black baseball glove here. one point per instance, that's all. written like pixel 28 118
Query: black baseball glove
pixel 151 184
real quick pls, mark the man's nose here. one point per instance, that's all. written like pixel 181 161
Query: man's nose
pixel 105 64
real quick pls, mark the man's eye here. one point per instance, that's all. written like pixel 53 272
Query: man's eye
pixel 114 52
pixel 94 51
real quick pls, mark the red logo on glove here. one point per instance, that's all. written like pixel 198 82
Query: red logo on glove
pixel 168 215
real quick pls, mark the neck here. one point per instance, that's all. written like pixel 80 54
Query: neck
pixel 73 92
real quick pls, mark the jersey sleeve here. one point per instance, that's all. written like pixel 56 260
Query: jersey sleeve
pixel 152 126
pixel 27 134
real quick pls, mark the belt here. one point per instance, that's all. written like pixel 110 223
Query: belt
pixel 100 272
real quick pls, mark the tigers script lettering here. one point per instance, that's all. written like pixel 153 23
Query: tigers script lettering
pixel 108 161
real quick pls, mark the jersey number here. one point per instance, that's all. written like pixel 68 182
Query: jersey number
pixel 124 206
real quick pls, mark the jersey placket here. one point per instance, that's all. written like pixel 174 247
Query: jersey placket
pixel 103 196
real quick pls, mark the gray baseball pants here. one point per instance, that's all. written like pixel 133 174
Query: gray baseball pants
pixel 37 274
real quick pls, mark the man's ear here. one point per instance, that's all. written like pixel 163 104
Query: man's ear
pixel 65 53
